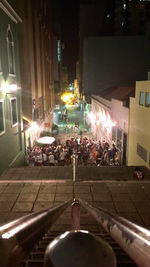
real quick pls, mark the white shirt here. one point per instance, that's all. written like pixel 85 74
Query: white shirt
pixel 44 157
pixel 62 155
pixel 51 158
pixel 40 159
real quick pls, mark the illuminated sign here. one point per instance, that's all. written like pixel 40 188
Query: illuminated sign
pixel 47 124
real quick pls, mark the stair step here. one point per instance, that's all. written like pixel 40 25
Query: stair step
pixel 33 263
pixel 125 264
pixel 36 256
pixel 38 262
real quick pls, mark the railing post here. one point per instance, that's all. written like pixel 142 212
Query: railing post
pixel 75 215
pixel 74 167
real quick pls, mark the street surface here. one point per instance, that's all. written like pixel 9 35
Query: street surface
pixel 74 115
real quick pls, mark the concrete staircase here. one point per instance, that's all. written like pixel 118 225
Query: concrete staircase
pixel 35 257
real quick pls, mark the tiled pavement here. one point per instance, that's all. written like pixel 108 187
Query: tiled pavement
pixel 85 173
pixel 130 199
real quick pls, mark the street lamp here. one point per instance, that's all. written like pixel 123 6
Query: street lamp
pixel 9 88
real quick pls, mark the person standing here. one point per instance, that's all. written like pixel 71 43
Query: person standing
pixel 51 159
pixel 44 159
pixel 40 159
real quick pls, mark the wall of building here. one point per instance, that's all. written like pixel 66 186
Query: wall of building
pixel 36 55
pixel 11 139
pixel 95 19
pixel 100 109
pixel 139 128
pixel 120 116
pixel 109 122
pixel 131 17
pixel 114 61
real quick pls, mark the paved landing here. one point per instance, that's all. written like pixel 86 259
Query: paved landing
pixel 129 199
pixel 85 173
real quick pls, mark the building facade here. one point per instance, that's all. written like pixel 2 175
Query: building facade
pixel 139 126
pixel 95 19
pixel 119 133
pixel 132 17
pixel 114 62
pixel 11 139
pixel 110 118
pixel 36 57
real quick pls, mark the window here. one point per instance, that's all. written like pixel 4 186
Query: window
pixel 142 152
pixel 141 100
pixel 10 47
pixel 119 138
pixel 59 50
pixel 124 6
pixel 114 130
pixel 14 111
pixel 2 123
pixel 147 100
pixel 0 65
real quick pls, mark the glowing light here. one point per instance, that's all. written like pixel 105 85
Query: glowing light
pixel 92 117
pixel 106 120
pixel 13 87
pixel 34 127
pixel 4 87
pixel 108 124
pixel 66 97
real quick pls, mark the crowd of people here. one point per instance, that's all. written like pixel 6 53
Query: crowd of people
pixel 88 152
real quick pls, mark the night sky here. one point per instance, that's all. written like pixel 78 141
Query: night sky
pixel 66 13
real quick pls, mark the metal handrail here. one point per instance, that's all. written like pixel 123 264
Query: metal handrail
pixel 19 236
pixel 134 239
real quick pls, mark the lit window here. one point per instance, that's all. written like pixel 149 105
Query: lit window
pixel 14 111
pixel 59 50
pixel 124 6
pixel 147 100
pixel 2 122
pixel 141 100
pixel 10 47
pixel 122 23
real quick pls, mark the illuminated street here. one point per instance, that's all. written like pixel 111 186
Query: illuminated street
pixel 74 115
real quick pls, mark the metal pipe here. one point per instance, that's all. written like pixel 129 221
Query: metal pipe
pixel 19 236
pixel 74 173
pixel 134 239
pixel 75 215
pixel 74 167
